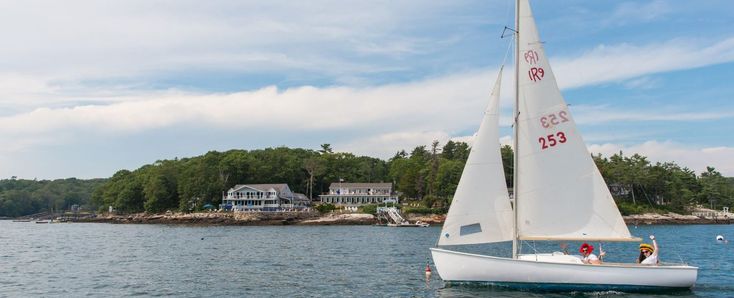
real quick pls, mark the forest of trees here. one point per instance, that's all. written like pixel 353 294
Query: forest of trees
pixel 23 197
pixel 426 176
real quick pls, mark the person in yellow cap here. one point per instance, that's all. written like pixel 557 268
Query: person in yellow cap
pixel 649 253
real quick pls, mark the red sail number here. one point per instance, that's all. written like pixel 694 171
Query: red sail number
pixel 536 73
pixel 550 120
pixel 552 140
pixel 531 57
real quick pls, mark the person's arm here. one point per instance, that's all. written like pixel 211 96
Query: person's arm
pixel 564 247
pixel 602 253
pixel 654 245
pixel 594 260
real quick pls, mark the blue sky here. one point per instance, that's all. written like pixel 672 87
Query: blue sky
pixel 91 87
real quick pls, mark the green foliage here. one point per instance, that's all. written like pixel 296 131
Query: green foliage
pixel 508 164
pixel 427 176
pixel 423 210
pixel 642 186
pixel 20 197
pixel 368 209
pixel 190 183
pixel 160 192
pixel 325 208
pixel 627 208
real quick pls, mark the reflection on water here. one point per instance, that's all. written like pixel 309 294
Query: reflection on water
pixel 290 261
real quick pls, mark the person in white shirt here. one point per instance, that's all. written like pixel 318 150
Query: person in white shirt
pixel 587 257
pixel 649 253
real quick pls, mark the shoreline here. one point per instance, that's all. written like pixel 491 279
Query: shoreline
pixel 673 219
pixel 235 219
pixel 314 218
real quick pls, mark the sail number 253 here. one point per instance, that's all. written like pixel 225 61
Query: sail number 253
pixel 552 140
pixel 551 119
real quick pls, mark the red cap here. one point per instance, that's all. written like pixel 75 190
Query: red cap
pixel 589 248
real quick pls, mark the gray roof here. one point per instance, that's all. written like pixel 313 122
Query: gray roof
pixel 262 187
pixel 265 187
pixel 360 185
pixel 300 197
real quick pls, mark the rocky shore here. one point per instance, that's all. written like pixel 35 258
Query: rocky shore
pixel 315 218
pixel 673 219
pixel 236 218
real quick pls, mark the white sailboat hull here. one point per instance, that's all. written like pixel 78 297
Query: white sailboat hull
pixel 458 267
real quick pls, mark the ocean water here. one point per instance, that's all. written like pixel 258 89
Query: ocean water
pixel 107 260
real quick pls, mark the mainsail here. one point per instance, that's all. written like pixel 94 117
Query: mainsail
pixel 480 211
pixel 560 192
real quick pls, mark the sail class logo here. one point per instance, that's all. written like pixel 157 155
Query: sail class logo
pixel 532 58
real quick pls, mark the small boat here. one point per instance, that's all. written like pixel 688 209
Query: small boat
pixel 43 221
pixel 407 224
pixel 422 224
pixel 559 195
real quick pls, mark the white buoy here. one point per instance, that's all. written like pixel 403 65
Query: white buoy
pixel 719 238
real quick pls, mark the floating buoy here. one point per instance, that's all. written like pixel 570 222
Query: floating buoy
pixel 428 270
pixel 719 238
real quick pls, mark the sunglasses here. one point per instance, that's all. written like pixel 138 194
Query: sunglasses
pixel 644 251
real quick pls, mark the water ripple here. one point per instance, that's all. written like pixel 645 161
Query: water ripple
pixel 101 260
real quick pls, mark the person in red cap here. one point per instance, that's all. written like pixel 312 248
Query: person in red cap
pixel 649 253
pixel 587 257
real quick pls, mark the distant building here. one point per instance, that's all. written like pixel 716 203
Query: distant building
pixel 618 189
pixel 357 194
pixel 263 197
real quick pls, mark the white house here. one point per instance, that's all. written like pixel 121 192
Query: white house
pixel 357 194
pixel 264 197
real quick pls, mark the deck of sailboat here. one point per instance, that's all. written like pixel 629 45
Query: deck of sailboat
pixel 456 267
pixel 529 258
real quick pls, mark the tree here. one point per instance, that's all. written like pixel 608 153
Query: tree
pixel 714 188
pixel 448 176
pixel 508 164
pixel 326 149
pixel 314 166
pixel 433 169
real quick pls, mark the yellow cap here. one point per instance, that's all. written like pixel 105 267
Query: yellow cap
pixel 646 246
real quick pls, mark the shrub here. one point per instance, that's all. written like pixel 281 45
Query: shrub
pixel 368 209
pixel 421 210
pixel 324 208
pixel 627 208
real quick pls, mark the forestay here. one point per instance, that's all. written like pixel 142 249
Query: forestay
pixel 480 211
pixel 561 194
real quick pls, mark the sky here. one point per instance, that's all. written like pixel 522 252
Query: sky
pixel 88 88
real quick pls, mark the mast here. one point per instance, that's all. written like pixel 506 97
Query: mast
pixel 515 142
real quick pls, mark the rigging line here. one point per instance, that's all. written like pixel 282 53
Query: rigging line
pixel 507 10
pixel 532 245
pixel 509 48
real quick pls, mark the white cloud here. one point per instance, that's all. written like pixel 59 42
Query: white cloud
pixel 57 98
pixel 632 12
pixel 620 62
pixel 420 106
pixel 585 114
pixel 386 145
pixel 693 157
pixel 76 41
pixel 645 82
pixel 450 103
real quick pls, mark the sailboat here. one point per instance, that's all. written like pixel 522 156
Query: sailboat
pixel 559 195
